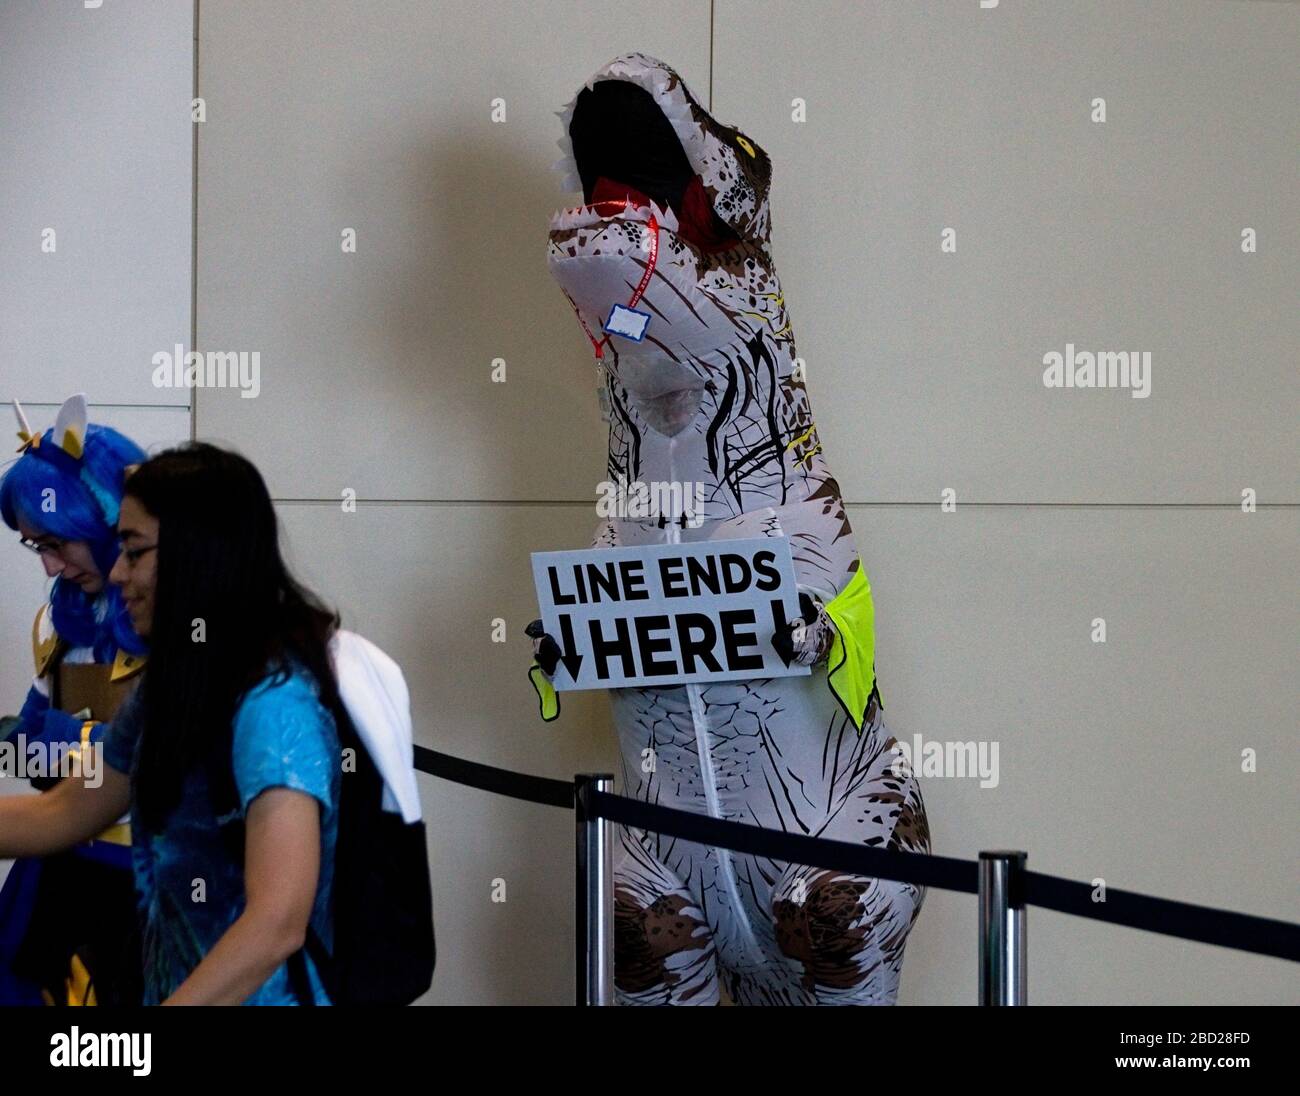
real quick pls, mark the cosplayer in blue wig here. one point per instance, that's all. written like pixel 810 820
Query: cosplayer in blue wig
pixel 87 493
pixel 67 932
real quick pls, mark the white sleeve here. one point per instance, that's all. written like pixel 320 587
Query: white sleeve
pixel 373 691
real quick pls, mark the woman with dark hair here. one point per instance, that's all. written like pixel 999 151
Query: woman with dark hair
pixel 228 754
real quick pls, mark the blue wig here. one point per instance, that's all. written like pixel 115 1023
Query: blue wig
pixel 88 493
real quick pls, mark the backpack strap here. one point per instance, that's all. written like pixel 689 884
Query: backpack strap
pixel 298 979
pixel 324 963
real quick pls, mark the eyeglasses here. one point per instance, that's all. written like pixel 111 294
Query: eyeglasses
pixel 134 555
pixel 43 547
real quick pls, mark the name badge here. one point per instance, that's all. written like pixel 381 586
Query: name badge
pixel 631 323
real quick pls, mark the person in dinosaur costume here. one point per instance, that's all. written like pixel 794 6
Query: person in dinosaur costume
pixel 68 933
pixel 668 266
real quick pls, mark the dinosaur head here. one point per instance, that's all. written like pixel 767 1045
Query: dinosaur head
pixel 636 125
pixel 674 226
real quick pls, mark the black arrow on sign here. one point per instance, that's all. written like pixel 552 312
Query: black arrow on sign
pixel 782 640
pixel 569 651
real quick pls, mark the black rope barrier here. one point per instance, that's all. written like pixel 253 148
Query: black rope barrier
pixel 1203 924
pixel 534 789
pixel 943 872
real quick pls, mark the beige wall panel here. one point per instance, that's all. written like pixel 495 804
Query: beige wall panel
pixel 1120 761
pixel 376 366
pixel 95 136
pixel 925 368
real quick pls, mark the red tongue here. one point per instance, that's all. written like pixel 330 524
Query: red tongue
pixel 694 218
pixel 607 190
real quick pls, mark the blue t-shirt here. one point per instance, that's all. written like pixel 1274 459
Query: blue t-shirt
pixel 189 886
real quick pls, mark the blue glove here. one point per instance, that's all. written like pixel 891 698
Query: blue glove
pixel 56 728
pixel 59 726
pixel 32 716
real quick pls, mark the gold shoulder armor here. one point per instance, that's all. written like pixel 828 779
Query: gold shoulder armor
pixel 126 665
pixel 44 640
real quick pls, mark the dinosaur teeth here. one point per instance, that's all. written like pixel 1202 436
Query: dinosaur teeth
pixel 665 216
pixel 567 218
pixel 585 216
pixel 566 164
pixel 576 217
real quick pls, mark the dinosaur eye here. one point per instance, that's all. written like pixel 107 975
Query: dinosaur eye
pixel 745 145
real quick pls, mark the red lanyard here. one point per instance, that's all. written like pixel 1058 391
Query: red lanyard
pixel 637 293
pixel 595 345
pixel 650 266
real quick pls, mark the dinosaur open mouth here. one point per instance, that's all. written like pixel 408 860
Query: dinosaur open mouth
pixel 627 150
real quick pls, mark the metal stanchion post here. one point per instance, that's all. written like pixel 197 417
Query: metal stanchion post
pixel 595 895
pixel 1002 928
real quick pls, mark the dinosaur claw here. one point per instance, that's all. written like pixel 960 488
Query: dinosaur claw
pixel 548 655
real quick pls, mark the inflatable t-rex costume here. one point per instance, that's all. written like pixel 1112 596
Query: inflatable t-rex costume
pixel 708 397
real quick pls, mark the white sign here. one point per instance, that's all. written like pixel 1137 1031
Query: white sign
pixel 668 614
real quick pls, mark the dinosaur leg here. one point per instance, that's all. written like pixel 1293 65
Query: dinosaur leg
pixel 663 950
pixel 847 933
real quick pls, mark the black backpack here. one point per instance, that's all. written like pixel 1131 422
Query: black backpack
pixel 384 950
